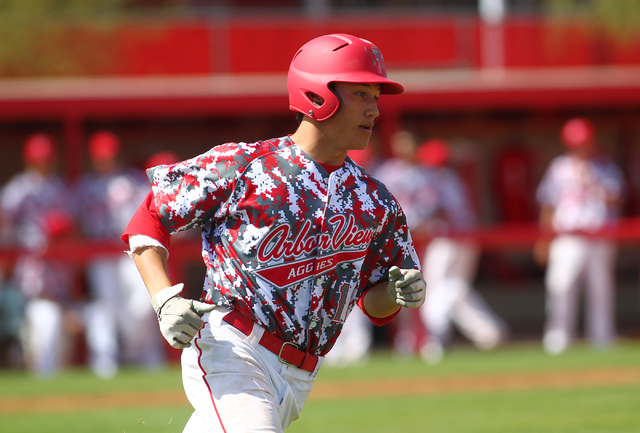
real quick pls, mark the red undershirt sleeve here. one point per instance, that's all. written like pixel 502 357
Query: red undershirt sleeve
pixel 378 321
pixel 146 221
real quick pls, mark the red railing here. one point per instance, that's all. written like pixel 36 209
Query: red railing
pixel 503 237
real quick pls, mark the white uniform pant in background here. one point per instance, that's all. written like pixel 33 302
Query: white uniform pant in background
pixel 573 261
pixel 43 336
pixel 46 287
pixel 235 385
pixel 449 269
pixel 354 343
pixel 120 322
pixel 100 316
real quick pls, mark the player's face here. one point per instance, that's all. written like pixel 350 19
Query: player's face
pixel 350 128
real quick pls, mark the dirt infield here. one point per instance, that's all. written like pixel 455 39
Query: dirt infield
pixel 341 390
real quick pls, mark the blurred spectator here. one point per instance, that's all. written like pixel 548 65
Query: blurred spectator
pixel 450 260
pixel 579 195
pixel 106 198
pixel 35 206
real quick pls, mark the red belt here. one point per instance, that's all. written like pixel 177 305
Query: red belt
pixel 288 353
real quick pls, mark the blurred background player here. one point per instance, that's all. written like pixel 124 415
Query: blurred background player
pixel 35 206
pixel 11 307
pixel 407 180
pixel 579 194
pixel 106 198
pixel 450 261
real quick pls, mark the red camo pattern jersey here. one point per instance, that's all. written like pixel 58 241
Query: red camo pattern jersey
pixel 285 242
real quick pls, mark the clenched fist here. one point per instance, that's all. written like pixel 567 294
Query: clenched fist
pixel 180 319
pixel 406 287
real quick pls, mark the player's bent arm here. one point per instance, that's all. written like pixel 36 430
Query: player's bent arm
pixel 179 318
pixel 377 303
pixel 405 288
pixel 151 262
pixel 545 225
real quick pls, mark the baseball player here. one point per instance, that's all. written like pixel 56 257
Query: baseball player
pixel 105 199
pixel 294 235
pixel 35 206
pixel 450 261
pixel 408 182
pixel 579 194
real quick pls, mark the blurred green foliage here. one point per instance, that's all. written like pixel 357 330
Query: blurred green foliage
pixel 619 18
pixel 67 37
pixel 47 37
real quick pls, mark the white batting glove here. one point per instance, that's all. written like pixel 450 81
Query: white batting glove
pixel 406 287
pixel 180 319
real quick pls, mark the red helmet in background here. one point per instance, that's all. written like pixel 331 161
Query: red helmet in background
pixel 165 157
pixel 434 152
pixel 104 146
pixel 577 132
pixel 334 58
pixel 39 148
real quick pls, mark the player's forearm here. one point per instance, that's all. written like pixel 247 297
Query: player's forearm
pixel 152 264
pixel 377 303
pixel 545 222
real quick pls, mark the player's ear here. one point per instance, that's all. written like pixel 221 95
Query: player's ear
pixel 315 99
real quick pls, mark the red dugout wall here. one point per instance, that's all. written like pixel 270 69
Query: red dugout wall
pixel 255 45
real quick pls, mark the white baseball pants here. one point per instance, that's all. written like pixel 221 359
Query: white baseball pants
pixel 576 260
pixel 119 317
pixel 44 336
pixel 449 268
pixel 237 386
pixel 355 341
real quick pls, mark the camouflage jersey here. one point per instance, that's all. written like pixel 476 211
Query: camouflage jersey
pixel 285 242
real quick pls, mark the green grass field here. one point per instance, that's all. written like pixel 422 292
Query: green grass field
pixel 581 391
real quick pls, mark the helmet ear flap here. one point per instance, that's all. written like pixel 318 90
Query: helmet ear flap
pixel 315 99
pixel 321 106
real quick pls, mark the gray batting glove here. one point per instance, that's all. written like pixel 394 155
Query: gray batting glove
pixel 406 287
pixel 180 319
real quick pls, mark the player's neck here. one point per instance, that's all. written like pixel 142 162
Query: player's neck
pixel 315 144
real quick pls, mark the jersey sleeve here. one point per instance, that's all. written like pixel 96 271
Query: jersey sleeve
pixel 456 200
pixel 612 181
pixel 392 246
pixel 146 221
pixel 395 245
pixel 191 193
pixel 546 193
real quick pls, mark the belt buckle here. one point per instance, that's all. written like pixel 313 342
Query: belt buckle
pixel 282 348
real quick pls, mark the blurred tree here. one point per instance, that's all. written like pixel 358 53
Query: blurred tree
pixel 49 37
pixel 620 18
pixel 65 37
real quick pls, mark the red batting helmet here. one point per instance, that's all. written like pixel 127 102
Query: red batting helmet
pixel 334 58
pixel 39 148
pixel 165 157
pixel 434 152
pixel 103 145
pixel 577 132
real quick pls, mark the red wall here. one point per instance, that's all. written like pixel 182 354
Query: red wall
pixel 244 45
